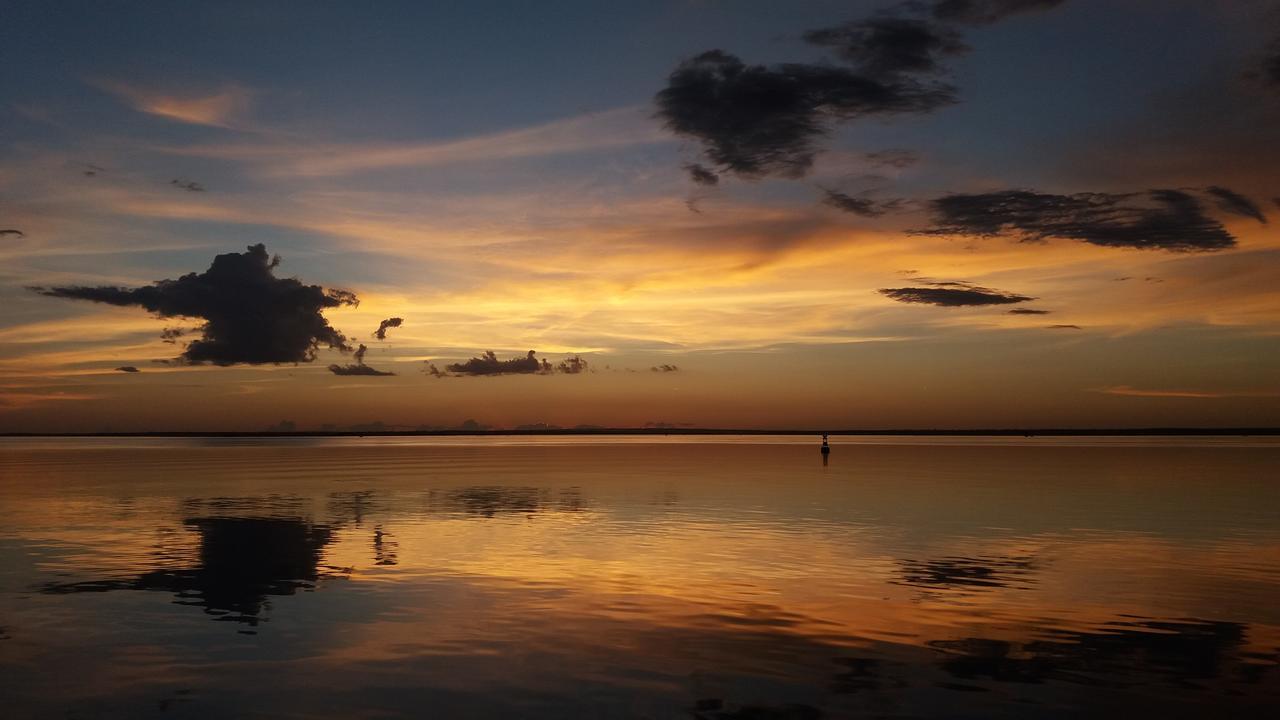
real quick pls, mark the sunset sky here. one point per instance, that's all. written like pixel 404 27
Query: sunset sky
pixel 711 213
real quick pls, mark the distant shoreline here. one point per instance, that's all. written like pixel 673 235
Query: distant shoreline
pixel 988 432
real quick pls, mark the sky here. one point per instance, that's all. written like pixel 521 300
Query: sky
pixel 696 213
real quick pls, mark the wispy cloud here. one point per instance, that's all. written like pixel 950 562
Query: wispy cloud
pixel 222 108
pixel 616 128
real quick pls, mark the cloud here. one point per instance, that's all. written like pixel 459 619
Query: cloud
pixel 986 12
pixel 664 368
pixel 1156 219
pixel 489 364
pixel 1028 311
pixel 359 368
pixel 889 47
pixel 1062 327
pixel 572 366
pixel 188 185
pixel 701 175
pixel 220 109
pixel 14 233
pixel 1233 202
pixel 953 294
pixel 755 120
pixel 893 157
pixel 127 369
pixel 381 332
pixel 861 206
pixel 250 315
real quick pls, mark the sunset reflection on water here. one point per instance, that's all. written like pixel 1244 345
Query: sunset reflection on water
pixel 618 578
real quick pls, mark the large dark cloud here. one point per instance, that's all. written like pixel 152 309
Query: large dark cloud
pixel 251 316
pixel 1230 201
pixel 757 120
pixel 985 12
pixel 754 120
pixel 953 294
pixel 381 332
pixel 1155 219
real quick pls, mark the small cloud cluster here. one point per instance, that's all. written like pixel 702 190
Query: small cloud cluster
pixel 1156 219
pixel 381 332
pixel 489 364
pixel 188 185
pixel 1028 311
pixel 757 120
pixel 251 316
pixel 664 368
pixel 953 294
pixel 358 368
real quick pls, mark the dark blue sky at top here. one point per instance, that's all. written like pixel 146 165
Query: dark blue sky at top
pixel 437 70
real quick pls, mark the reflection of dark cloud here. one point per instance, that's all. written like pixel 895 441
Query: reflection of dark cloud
pixel 1156 219
pixel 381 332
pixel 967 572
pixel 716 709
pixel 985 12
pixel 240 563
pixel 491 500
pixel 1119 654
pixel 1028 311
pixel 964 296
pixel 1230 201
pixel 250 315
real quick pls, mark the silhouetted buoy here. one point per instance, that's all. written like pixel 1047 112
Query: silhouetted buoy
pixel 826 449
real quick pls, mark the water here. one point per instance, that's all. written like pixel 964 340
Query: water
pixel 639 577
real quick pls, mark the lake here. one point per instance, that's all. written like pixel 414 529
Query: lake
pixel 639 577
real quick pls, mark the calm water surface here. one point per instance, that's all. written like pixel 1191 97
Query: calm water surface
pixel 639 577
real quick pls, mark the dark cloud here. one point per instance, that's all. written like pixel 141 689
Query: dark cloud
pixel 986 12
pixel 893 157
pixel 188 185
pixel 754 120
pixel 128 369
pixel 1155 219
pixel 431 369
pixel 572 366
pixel 702 175
pixel 953 295
pixel 15 233
pixel 251 316
pixel 889 47
pixel 968 573
pixel 861 206
pixel 359 368
pixel 381 332
pixel 1062 327
pixel 664 368
pixel 1230 201
pixel 91 170
pixel 489 364
pixel 1028 311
